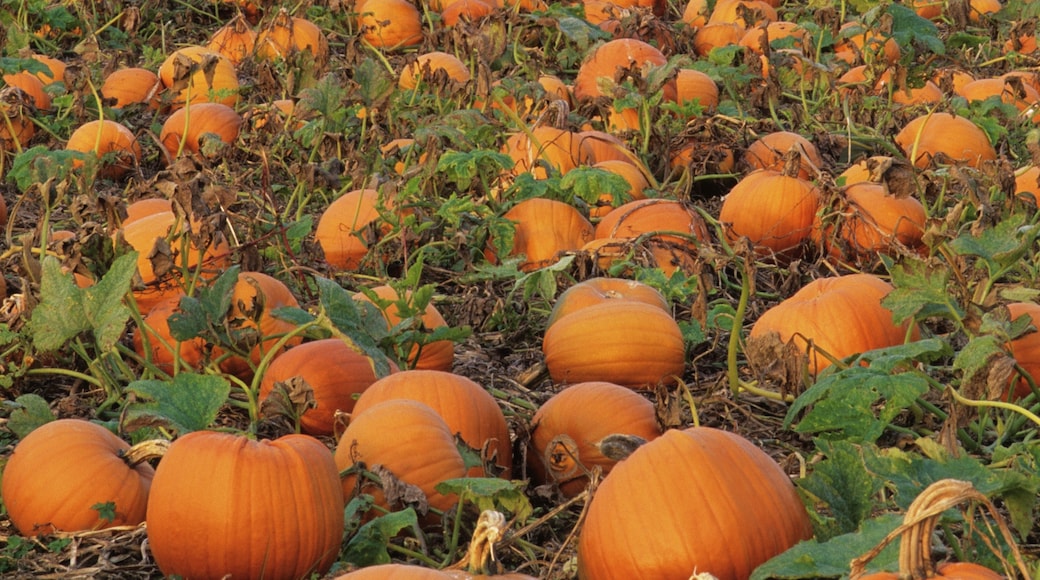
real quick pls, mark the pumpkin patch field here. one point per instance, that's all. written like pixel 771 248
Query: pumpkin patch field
pixel 561 289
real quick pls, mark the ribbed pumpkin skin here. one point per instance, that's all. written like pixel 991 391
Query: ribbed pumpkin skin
pixel 225 504
pixel 394 572
pixel 160 343
pixel 841 315
pixel 586 413
pixel 255 296
pixel 335 372
pixel 958 138
pixel 605 61
pixel 559 149
pixel 288 35
pixel 774 211
pixel 544 228
pixel 426 66
pixel 948 570
pixel 599 290
pixel 410 440
pixel 115 146
pixel 767 152
pixel 59 471
pixel 341 226
pixel 695 500
pixel 196 120
pixel 389 24
pixel 129 86
pixel 463 404
pixel 632 344
pixel 874 221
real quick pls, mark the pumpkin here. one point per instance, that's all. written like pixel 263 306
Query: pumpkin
pixel 341 375
pixel 672 229
pixel 236 40
pixel 944 138
pixel 55 69
pixel 544 149
pixel 858 43
pixel 131 86
pixel 178 253
pixel 394 572
pixel 903 94
pixel 700 499
pixel 770 150
pixel 1027 184
pixel 254 299
pixel 145 207
pixel 466 408
pixel 773 210
pixel 269 509
pixel 288 36
pixel 198 125
pixel 1019 94
pixel 32 86
pixel 438 355
pixel 841 316
pixel 743 13
pixel 465 10
pixel 195 74
pixel 155 330
pixel 544 229
pixel 598 146
pixel 595 291
pixel 693 86
pixel 389 24
pixel 634 175
pixel 695 13
pixel 871 221
pixel 758 38
pixel 716 35
pixel 629 343
pixel 609 59
pixel 406 438
pixel 427 66
pixel 70 475
pixel 115 147
pixel 16 124
pixel 344 228
pixel 572 433
pixel 1025 349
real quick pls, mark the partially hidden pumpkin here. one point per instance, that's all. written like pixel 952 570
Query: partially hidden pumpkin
pixel 699 499
pixel 113 145
pixel 70 475
pixel 195 74
pixel 197 127
pixel 348 227
pixel 598 290
pixel 435 355
pixel 944 138
pixel 253 323
pixel 773 210
pixel 269 509
pixel 544 229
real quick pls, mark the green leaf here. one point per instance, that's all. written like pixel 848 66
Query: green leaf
pixel 843 484
pixel 106 511
pixel 920 292
pixel 977 354
pixel 589 183
pixel 1000 246
pixel 103 305
pixel 368 547
pixel 359 321
pixel 190 402
pixel 30 411
pixel 830 559
pixel 59 316
pixel 490 493
pixel 463 167
pixel 909 28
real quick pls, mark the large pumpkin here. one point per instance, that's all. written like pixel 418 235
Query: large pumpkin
pixel 571 432
pixel 192 127
pixel 699 500
pixel 773 210
pixel 406 438
pixel 871 220
pixel 224 505
pixel 389 24
pixel 841 316
pixel 946 138
pixel 609 59
pixel 343 230
pixel 70 475
pixel 671 229
pixel 599 290
pixel 544 229
pixel 335 372
pixel 465 406
pixel 113 145
pixel 770 150
pixel 543 149
pixel 629 343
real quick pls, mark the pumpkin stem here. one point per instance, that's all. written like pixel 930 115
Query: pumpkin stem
pixel 915 533
pixel 145 450
pixel 491 527
pixel 792 161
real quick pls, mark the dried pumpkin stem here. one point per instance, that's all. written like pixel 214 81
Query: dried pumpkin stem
pixel 145 450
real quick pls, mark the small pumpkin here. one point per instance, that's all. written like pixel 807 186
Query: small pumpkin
pixel 465 10
pixel 428 65
pixel 544 149
pixel 271 508
pixel 115 147
pixel 633 174
pixel 544 229
pixel 573 431
pixel 71 475
pixel 195 74
pixel 840 315
pixel 700 499
pixel 409 440
pixel 1025 349
pixel 438 355
pixel 770 151
pixel 132 86
pixel 194 127
pixel 389 24
pixel 694 86
pixel 288 36
pixel 342 374
pixel 944 138
pixel 236 40
pixel 466 408
pixel 629 343
pixel 16 124
pixel 163 350
pixel 347 226
pixel 32 86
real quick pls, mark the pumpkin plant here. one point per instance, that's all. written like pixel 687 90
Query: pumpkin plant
pixel 271 508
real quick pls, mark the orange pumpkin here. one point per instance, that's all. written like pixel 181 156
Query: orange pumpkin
pixel 426 66
pixel 744 13
pixel 633 174
pixel 707 501
pixel 858 43
pixel 344 228
pixel 773 210
pixel 288 36
pixel 194 127
pixel 545 228
pixel 272 509
pixel 438 355
pixel 769 151
pixel 629 343
pixel 60 473
pixel 115 147
pixel 654 221
pixel 609 59
pixel 16 124
pixel 32 86
pixel 342 374
pixel 945 138
pixel 389 24
pixel 466 10
pixel 408 439
pixel 1027 184
pixel 236 40
pixel 841 316
pixel 694 86
pixel 1026 348
pixel 131 86
pixel 55 69
pixel 161 345
pixel 195 74
pixel 716 35
pixel 871 221
pixel 595 291
pixel 571 433
pixel 254 299
pixel 1021 95
pixel 466 407
pixel 545 149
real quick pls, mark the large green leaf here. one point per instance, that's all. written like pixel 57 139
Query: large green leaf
pixel 189 402
pixel 368 546
pixel 830 559
pixel 843 484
